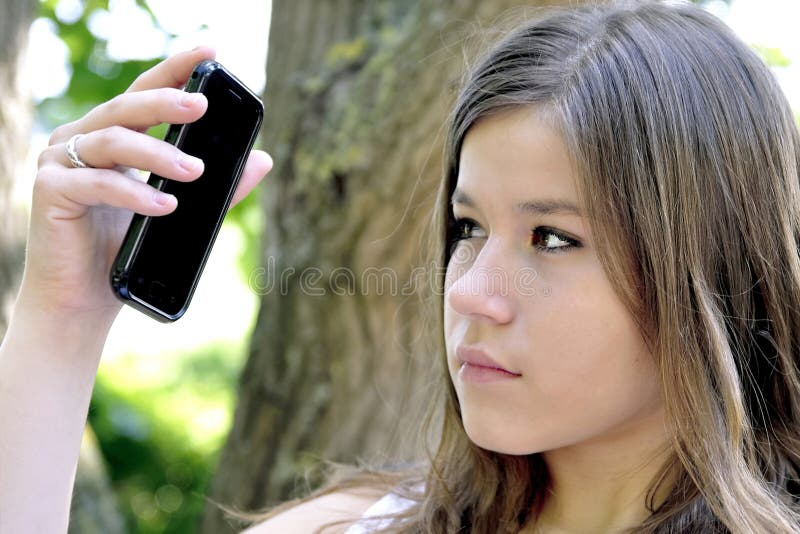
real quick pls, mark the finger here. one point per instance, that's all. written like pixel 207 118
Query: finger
pixel 118 146
pixel 173 71
pixel 138 111
pixel 72 192
pixel 258 165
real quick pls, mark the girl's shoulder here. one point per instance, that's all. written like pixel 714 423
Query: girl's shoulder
pixel 347 506
pixel 374 518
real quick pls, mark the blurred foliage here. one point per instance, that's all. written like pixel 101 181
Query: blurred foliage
pixel 95 77
pixel 772 56
pixel 160 421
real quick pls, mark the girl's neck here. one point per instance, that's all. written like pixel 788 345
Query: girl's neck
pixel 603 485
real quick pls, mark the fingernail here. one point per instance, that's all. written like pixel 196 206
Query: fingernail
pixel 189 163
pixel 162 199
pixel 191 99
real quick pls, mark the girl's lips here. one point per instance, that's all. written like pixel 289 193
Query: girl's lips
pixel 478 366
pixel 479 374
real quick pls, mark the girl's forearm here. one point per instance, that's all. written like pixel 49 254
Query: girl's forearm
pixel 48 363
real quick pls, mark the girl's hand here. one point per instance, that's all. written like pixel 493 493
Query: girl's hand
pixel 80 215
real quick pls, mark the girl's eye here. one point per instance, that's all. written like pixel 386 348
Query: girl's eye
pixel 552 242
pixel 544 239
pixel 465 229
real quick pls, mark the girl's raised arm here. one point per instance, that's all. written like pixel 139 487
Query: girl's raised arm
pixel 65 306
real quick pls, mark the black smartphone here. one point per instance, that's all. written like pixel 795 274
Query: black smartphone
pixel 161 258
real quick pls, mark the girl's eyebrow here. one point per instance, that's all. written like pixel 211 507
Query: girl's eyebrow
pixel 544 206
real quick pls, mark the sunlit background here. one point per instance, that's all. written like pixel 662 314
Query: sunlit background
pixel 165 393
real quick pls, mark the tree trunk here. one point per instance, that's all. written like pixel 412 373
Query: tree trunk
pixel 357 93
pixel 15 118
pixel 94 508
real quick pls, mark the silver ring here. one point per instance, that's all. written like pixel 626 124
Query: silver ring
pixel 72 153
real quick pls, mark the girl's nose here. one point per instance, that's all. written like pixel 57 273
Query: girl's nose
pixel 483 288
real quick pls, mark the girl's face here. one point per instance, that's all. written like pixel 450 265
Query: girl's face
pixel 542 353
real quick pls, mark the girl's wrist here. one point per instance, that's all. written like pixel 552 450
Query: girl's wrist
pixel 70 333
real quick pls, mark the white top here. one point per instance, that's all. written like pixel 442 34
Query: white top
pixel 388 504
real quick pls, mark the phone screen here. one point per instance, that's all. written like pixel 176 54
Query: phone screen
pixel 170 258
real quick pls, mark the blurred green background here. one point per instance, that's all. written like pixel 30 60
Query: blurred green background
pixel 160 432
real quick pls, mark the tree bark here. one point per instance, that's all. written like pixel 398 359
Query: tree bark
pixel 94 508
pixel 356 98
pixel 15 119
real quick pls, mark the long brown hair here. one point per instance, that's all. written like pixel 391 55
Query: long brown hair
pixel 687 156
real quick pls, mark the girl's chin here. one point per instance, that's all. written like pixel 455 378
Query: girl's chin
pixel 500 441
